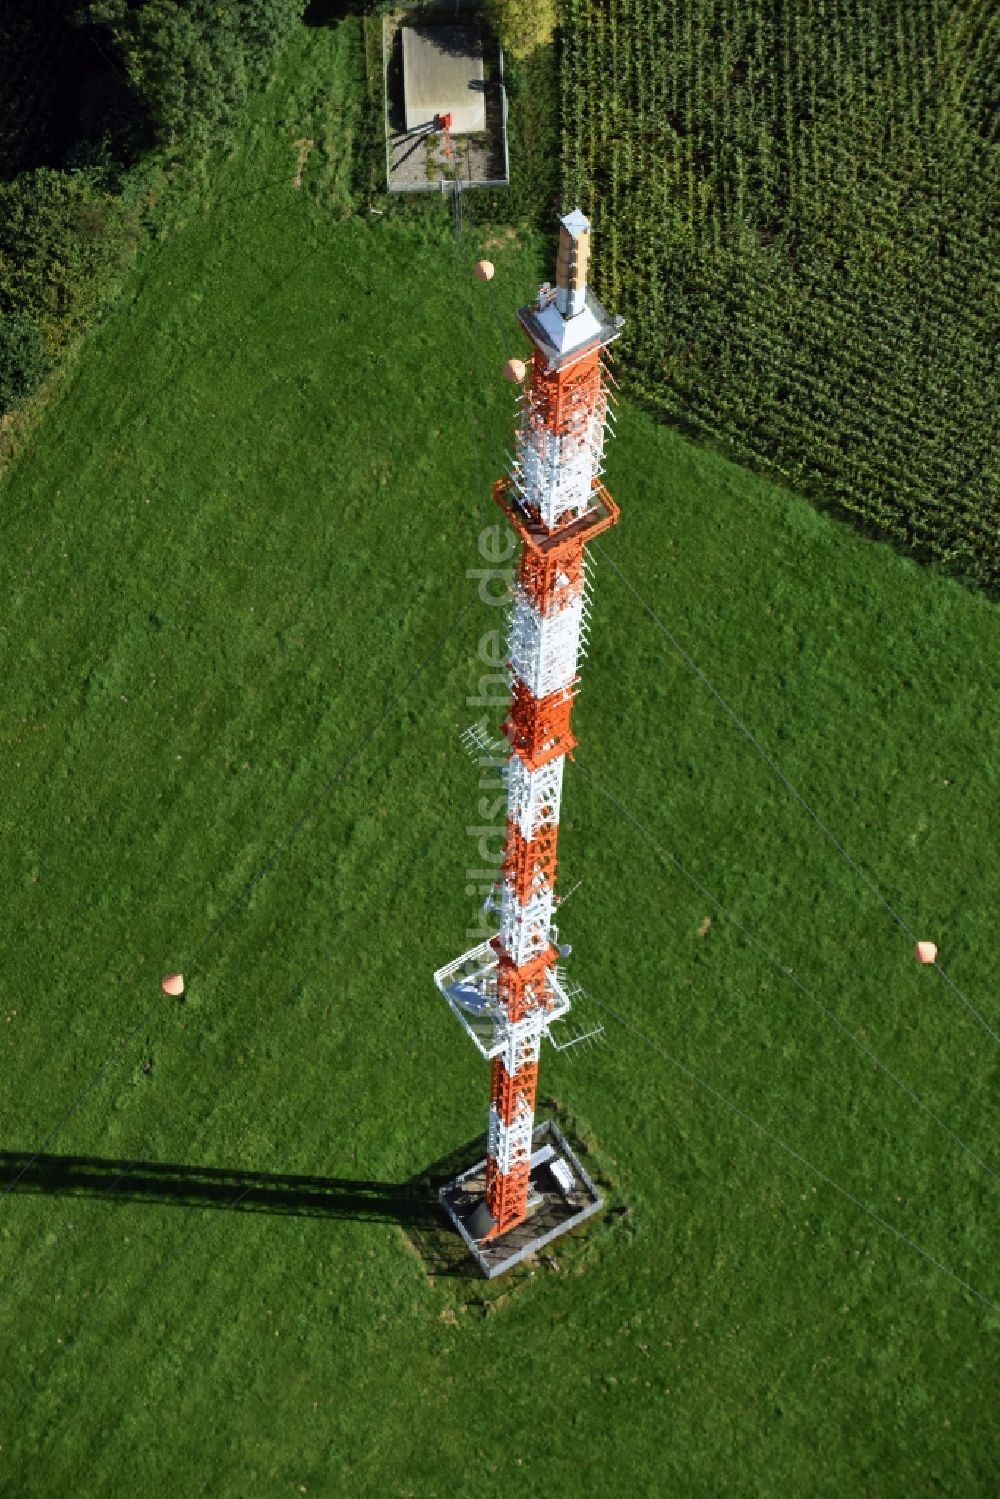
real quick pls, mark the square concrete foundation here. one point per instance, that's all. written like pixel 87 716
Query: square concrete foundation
pixel 443 74
pixel 551 1212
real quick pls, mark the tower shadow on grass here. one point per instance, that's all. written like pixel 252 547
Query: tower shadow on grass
pixel 413 1205
pixel 171 1184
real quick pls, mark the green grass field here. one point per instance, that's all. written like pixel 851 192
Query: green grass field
pixel 249 517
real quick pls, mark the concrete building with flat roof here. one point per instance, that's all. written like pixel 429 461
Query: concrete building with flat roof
pixel 443 74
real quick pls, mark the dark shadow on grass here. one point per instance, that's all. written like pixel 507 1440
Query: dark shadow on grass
pixel 170 1184
pixel 63 90
pixel 329 12
pixel 413 1204
pixel 434 12
pixel 433 1239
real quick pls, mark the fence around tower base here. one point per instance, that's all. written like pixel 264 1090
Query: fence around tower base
pixel 555 1210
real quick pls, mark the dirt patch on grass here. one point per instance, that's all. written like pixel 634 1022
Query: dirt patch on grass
pixel 504 239
pixel 305 147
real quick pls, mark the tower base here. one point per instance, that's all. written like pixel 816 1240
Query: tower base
pixel 560 1197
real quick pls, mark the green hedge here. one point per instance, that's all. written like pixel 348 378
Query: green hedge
pixel 189 63
pixel 172 89
pixel 63 243
pixel 24 362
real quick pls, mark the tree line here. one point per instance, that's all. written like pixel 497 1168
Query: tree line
pixel 100 100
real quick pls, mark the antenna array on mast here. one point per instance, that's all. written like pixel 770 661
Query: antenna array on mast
pixel 509 991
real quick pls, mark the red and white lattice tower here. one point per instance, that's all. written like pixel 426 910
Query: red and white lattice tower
pixel 508 991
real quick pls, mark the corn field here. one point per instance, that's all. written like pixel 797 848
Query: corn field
pixel 794 206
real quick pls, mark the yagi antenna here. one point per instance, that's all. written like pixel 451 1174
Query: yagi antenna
pixel 579 1038
pixel 481 746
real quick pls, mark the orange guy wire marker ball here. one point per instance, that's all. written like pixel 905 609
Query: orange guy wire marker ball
pixel 925 952
pixel 173 983
pixel 485 270
pixel 515 371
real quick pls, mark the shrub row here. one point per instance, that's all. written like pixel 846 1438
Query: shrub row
pixel 169 86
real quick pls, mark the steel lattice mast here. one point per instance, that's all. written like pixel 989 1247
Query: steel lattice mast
pixel 508 991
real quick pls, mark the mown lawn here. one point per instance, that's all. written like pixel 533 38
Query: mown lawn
pixel 246 523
